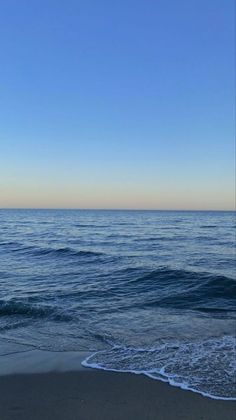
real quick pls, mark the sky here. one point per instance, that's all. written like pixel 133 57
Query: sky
pixel 117 104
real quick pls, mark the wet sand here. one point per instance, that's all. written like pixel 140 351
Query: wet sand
pixel 91 394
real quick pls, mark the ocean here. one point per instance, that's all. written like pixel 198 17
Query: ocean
pixel 149 292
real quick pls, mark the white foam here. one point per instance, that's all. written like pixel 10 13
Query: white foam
pixel 201 357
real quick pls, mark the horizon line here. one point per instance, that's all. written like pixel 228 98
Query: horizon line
pixel 113 209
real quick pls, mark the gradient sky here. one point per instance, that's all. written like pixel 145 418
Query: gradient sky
pixel 117 104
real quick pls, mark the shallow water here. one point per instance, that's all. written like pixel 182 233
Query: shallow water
pixel 145 291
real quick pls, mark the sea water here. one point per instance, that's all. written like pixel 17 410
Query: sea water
pixel 149 292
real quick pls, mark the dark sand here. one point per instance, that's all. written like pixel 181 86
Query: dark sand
pixel 97 395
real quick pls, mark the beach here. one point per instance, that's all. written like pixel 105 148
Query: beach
pixel 98 395
pixel 38 385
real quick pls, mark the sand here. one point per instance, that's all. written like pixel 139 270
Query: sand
pixel 43 385
pixel 98 395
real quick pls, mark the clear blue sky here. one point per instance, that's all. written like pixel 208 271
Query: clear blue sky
pixel 117 104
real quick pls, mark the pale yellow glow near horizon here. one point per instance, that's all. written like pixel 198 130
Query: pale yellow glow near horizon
pixel 120 198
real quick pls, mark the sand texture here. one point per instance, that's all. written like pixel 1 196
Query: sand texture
pixel 98 395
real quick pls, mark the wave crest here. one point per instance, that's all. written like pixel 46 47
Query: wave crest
pixel 9 308
pixel 167 287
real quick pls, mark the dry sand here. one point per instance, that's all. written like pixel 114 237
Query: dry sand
pixel 97 395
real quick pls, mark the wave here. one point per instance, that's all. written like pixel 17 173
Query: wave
pixel 216 294
pixel 64 251
pixel 185 365
pixel 11 308
pixel 184 290
pixel 135 287
pixel 10 244
pixel 83 225
pixel 161 238
pixel 208 226
pixel 67 251
pixel 161 288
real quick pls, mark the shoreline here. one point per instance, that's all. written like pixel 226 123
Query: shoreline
pixel 37 384
pixel 35 361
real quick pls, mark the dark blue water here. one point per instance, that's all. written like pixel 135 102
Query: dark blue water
pixel 144 291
